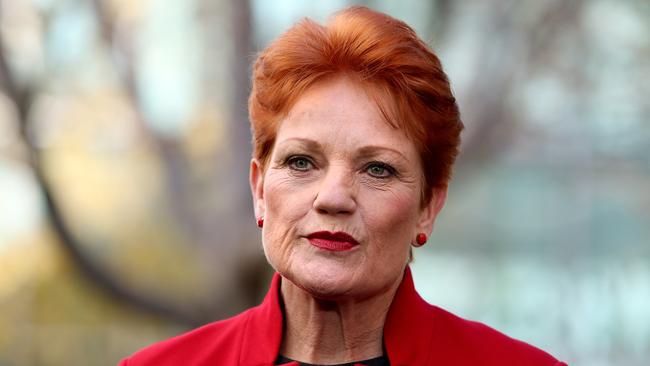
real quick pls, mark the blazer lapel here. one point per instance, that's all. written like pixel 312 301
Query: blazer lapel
pixel 408 332
pixel 262 334
pixel 409 328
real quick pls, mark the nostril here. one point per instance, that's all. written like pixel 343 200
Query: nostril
pixel 334 205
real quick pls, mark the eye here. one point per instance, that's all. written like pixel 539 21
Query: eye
pixel 299 163
pixel 380 170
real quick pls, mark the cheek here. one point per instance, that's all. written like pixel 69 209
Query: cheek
pixel 285 204
pixel 391 219
pixel 284 198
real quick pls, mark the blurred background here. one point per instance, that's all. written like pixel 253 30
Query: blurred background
pixel 125 215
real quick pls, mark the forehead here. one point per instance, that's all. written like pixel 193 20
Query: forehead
pixel 340 110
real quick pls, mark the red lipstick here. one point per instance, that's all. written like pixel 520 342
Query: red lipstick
pixel 337 242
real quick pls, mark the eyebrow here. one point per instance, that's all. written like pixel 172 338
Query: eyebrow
pixel 309 144
pixel 374 149
pixel 368 150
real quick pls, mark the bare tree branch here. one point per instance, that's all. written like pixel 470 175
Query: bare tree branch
pixel 174 163
pixel 495 125
pixel 69 244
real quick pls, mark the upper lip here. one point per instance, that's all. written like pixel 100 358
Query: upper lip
pixel 336 236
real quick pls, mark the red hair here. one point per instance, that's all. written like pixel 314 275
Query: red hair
pixel 386 57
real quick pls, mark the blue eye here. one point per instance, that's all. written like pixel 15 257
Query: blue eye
pixel 380 170
pixel 299 163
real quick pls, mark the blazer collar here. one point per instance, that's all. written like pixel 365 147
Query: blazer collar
pixel 409 328
pixel 408 331
pixel 263 330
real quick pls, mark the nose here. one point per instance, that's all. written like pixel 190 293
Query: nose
pixel 336 193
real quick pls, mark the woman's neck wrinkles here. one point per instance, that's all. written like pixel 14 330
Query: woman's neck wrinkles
pixel 328 332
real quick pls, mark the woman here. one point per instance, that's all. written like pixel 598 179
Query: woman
pixel 355 132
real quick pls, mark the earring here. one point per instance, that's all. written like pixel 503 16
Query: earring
pixel 260 222
pixel 421 239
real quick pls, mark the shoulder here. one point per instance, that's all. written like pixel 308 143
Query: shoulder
pixel 481 344
pixel 196 347
pixel 418 333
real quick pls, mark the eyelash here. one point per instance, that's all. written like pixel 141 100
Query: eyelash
pixel 291 160
pixel 391 171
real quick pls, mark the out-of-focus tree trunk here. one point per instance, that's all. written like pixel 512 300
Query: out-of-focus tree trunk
pixel 231 236
pixel 90 269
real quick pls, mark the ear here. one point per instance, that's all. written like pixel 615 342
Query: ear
pixel 429 212
pixel 257 187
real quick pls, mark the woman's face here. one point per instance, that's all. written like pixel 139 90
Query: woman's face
pixel 340 196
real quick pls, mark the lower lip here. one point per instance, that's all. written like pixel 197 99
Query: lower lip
pixel 332 245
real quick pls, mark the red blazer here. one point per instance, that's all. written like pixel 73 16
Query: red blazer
pixel 415 333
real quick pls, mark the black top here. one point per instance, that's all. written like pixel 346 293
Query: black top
pixel 379 361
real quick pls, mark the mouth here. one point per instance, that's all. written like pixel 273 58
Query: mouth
pixel 336 242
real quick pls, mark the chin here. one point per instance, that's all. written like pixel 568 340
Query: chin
pixel 325 281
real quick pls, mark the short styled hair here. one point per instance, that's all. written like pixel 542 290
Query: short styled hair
pixel 386 57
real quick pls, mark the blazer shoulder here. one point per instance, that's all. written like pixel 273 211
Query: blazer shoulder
pixel 466 338
pixel 195 347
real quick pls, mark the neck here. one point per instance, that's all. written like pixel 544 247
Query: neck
pixel 326 332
